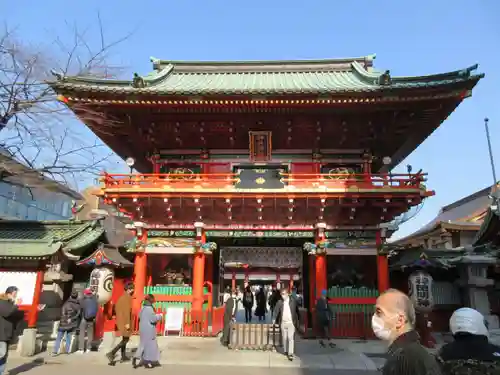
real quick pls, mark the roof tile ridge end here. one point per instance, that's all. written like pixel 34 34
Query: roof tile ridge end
pixel 159 75
pixel 371 77
pixel 462 74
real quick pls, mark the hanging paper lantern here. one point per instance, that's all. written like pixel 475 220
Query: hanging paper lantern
pixel 101 283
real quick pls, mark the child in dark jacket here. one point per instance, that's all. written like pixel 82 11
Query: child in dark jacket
pixel 70 321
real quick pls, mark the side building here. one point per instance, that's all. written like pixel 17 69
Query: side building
pixel 28 195
pixel 457 251
pixel 455 225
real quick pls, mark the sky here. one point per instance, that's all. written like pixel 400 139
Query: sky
pixel 409 38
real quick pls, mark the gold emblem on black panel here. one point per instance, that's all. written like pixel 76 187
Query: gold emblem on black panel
pixel 260 181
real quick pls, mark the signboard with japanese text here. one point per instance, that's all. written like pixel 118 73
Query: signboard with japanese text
pixel 420 290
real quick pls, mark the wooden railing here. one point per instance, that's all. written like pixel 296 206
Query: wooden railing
pixel 229 180
pixel 345 324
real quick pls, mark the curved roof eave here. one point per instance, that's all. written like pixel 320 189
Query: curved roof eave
pixel 156 82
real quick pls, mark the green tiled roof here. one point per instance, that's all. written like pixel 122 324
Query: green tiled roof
pixel 337 76
pixel 27 249
pixel 489 233
pixel 26 239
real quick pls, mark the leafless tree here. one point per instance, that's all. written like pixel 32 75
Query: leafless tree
pixel 35 128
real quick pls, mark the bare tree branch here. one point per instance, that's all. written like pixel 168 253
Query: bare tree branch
pixel 38 131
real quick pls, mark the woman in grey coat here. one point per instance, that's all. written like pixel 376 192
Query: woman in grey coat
pixel 148 352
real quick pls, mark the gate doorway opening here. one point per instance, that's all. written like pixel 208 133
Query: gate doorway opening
pixel 263 269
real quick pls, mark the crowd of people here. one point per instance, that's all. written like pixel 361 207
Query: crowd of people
pixel 470 352
pixel 78 317
pixel 394 322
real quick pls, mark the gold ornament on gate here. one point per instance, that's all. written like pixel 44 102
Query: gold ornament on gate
pixel 260 180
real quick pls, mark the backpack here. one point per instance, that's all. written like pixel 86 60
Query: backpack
pixel 248 298
pixel 69 316
pixel 89 309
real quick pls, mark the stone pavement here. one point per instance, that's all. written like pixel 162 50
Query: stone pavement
pixel 53 367
pixel 349 355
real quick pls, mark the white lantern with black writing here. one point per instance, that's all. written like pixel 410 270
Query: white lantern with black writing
pixel 101 283
pixel 420 290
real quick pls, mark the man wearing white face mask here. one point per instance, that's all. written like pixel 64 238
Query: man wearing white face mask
pixel 394 323
pixel 286 314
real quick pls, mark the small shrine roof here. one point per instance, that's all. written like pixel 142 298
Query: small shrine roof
pixel 489 233
pixel 105 255
pixel 42 239
pixel 281 77
pixel 417 257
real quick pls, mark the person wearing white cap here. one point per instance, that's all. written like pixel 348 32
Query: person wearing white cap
pixel 470 334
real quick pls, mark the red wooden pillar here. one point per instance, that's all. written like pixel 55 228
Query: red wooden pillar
pixel 367 168
pixel 321 283
pixel 247 277
pixel 382 265
pixel 33 311
pixel 209 265
pixel 320 274
pixel 233 281
pixel 198 270
pixel 156 163
pixel 109 321
pixel 140 272
pixel 312 283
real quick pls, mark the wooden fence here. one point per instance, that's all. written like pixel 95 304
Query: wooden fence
pixel 207 323
pixel 349 321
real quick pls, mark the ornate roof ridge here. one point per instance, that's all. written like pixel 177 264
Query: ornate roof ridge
pixel 278 77
pixel 368 60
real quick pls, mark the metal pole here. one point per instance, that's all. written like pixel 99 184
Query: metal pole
pixel 492 162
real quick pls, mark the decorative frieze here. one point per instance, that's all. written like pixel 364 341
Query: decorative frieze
pixel 353 234
pixel 171 233
pixel 205 248
pixel 315 249
pixel 261 234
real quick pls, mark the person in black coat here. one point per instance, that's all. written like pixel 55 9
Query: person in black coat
pixel 394 323
pixel 273 299
pixel 324 319
pixel 229 317
pixel 470 352
pixel 71 315
pixel 248 301
pixel 261 309
pixel 10 316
